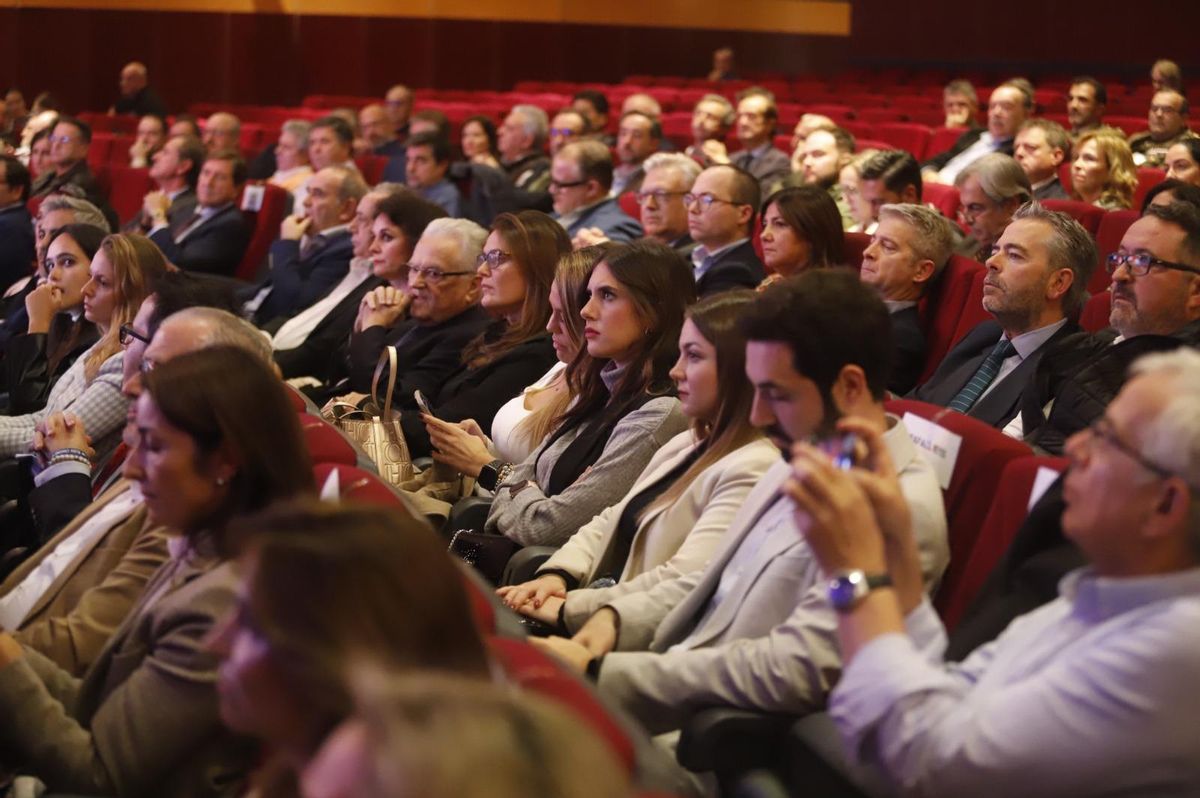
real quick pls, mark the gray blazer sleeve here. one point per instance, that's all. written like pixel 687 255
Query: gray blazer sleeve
pixel 532 518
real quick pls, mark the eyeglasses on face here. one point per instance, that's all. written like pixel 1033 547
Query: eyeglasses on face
pixel 1139 263
pixel 1102 429
pixel 706 200
pixel 494 258
pixel 129 335
pixel 430 274
pixel 558 185
pixel 644 197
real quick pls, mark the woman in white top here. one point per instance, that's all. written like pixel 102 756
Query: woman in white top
pixel 673 518
pixel 525 420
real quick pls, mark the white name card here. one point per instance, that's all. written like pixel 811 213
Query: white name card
pixel 939 445
pixel 252 197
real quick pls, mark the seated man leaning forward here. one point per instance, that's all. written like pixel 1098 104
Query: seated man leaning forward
pixel 1091 694
pixel 754 629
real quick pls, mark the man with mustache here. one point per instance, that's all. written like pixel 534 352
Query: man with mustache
pixel 1155 307
pixel 1035 285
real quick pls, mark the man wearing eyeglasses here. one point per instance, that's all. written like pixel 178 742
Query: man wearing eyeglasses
pixel 69 143
pixel 398 103
pixel 1155 307
pixel 580 179
pixel 720 211
pixel 1168 123
pixel 755 126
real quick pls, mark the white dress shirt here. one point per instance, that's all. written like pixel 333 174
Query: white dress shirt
pixel 296 330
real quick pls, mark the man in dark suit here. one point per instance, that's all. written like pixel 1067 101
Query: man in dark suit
pixel 69 144
pixel 378 135
pixel 1036 282
pixel 313 250
pixel 664 215
pixel 1040 148
pixel 215 238
pixel 16 226
pixel 175 169
pixel 521 141
pixel 721 208
pixel 1010 105
pixel 755 122
pixel 908 251
pixel 137 97
pixel 580 180
pixel 638 137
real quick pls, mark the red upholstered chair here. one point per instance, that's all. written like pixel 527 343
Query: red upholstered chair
pixel 266 229
pixel 118 149
pixel 853 246
pixel 1096 311
pixel 296 398
pixel 99 149
pixel 1085 213
pixel 325 443
pixel 984 453
pixel 372 167
pixel 629 204
pixel 1108 240
pixel 957 294
pixel 905 135
pixel 1148 178
pixel 1004 518
pixel 538 673
pixel 127 188
pixel 944 198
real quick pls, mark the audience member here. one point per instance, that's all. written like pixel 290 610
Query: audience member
pixel 594 107
pixel 69 145
pixel 137 98
pixel 1171 190
pixel 16 115
pixel 1040 148
pixel 756 117
pixel 58 331
pixel 642 103
pixel 1087 100
pixel 723 68
pixel 801 230
pixel 215 239
pixel 1011 103
pixel 712 119
pixel 568 125
pixel 412 733
pixel 292 169
pixel 580 184
pixel 399 102
pixel 907 253
pixel 960 104
pixel 185 125
pixel 151 136
pixel 677 512
pixel 430 120
pixel 991 189
pixel 427 159
pixel 1168 123
pixel 638 137
pixel 375 127
pixel 222 131
pixel 850 186
pixel 313 251
pixel 753 629
pixel 1183 161
pixel 16 225
pixel 323 588
pixel 826 152
pixel 1166 75
pixel 663 212
pixel 521 141
pixel 175 171
pixel 479 141
pixel 624 410
pixel 1036 285
pixel 1103 172
pixel 1090 694
pixel 807 124
pixel 330 143
pixel 889 176
pixel 720 214
pixel 1155 306
pixel 39 152
pixel 311 343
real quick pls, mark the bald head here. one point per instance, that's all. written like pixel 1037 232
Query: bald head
pixel 222 131
pixel 202 327
pixel 376 126
pixel 133 78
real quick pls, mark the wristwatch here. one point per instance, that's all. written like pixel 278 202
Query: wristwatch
pixel 489 475
pixel 848 588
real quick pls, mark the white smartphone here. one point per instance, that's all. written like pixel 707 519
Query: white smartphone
pixel 421 403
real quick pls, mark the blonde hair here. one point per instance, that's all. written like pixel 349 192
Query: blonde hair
pixel 1122 174
pixel 435 736
pixel 136 263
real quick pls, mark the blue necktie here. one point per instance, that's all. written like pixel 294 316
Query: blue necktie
pixel 983 377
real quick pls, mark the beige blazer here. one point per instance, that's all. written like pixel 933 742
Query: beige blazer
pixel 144 719
pixel 670 541
pixel 73 619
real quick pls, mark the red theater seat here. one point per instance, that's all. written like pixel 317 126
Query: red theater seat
pixel 853 246
pixel 953 305
pixel 266 222
pixel 325 443
pixel 1096 312
pixel 943 138
pixel 1108 240
pixel 1085 213
pixel 127 187
pixel 1148 178
pixel 944 198
pixel 906 135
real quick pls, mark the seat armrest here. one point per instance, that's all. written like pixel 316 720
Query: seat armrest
pixel 523 565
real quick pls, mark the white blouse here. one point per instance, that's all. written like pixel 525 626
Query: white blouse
pixel 508 442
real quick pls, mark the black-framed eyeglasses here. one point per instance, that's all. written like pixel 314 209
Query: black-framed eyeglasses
pixel 1139 263
pixel 558 185
pixel 706 200
pixel 129 335
pixel 1103 429
pixel 431 274
pixel 494 258
pixel 659 196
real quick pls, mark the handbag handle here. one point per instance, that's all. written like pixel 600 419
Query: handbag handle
pixel 388 357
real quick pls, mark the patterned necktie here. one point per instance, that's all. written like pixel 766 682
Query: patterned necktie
pixel 312 246
pixel 983 377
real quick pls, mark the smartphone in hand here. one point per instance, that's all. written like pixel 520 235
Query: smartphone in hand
pixel 419 398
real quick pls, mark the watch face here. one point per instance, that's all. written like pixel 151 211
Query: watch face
pixel 846 589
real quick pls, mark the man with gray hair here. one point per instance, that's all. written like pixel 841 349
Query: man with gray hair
pixel 137 97
pixel 1036 284
pixel 1041 147
pixel 990 190
pixel 1010 105
pixel 313 250
pixel 907 253
pixel 1155 306
pixel 664 214
pixel 292 169
pixel 175 170
pixel 378 134
pixel 521 140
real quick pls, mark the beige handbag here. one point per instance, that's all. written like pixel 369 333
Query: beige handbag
pixel 377 430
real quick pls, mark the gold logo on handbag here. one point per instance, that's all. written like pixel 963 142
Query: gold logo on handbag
pixel 377 429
